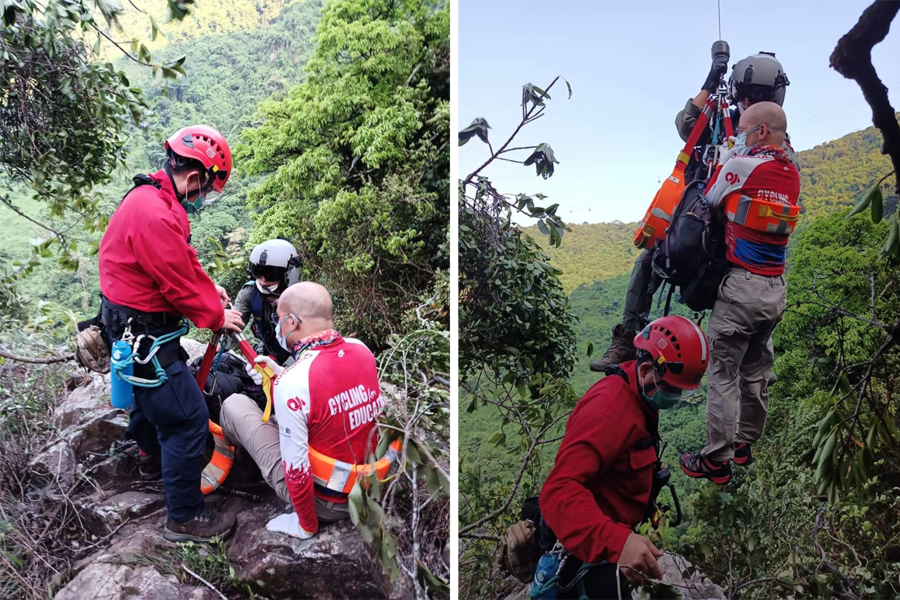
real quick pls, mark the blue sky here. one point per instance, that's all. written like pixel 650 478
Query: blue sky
pixel 632 66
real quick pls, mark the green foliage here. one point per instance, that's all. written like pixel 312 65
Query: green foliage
pixel 64 115
pixel 836 173
pixel 357 160
pixel 513 311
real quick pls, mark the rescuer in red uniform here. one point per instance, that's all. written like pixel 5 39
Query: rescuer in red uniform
pixel 151 279
pixel 600 485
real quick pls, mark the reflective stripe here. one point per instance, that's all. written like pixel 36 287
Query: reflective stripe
pixel 743 209
pixel 223 448
pixel 391 454
pixel 702 341
pixel 661 214
pixel 213 483
pixel 339 476
pixel 225 451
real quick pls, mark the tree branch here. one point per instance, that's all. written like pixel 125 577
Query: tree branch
pixel 852 58
pixel 494 155
pixel 38 361
pixel 27 218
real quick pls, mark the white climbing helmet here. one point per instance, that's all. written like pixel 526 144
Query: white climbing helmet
pixel 275 260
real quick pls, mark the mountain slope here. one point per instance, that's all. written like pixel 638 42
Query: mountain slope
pixel 832 176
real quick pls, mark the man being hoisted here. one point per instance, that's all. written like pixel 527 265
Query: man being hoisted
pixel 756 78
pixel 758 188
pixel 274 265
pixel 151 281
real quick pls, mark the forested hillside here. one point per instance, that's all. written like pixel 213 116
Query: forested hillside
pixel 833 176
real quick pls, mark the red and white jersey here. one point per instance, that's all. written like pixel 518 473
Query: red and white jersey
pixel 767 175
pixel 328 400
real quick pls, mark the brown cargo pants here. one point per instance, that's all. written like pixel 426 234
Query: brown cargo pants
pixel 747 309
pixel 243 425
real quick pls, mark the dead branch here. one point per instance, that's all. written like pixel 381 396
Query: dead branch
pixel 852 58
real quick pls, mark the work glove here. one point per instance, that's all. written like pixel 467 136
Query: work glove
pixel 716 72
pixel 727 150
pixel 290 524
pixel 255 375
pixel 268 361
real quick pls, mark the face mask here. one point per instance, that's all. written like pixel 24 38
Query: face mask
pixel 740 144
pixel 661 399
pixel 282 340
pixel 266 289
pixel 192 207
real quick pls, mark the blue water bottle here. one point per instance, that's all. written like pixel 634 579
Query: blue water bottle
pixel 546 569
pixel 121 394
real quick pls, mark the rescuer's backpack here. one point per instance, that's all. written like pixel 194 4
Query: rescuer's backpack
pixel 692 255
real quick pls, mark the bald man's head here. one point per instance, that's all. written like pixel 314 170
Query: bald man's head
pixel 770 120
pixel 307 300
pixel 311 304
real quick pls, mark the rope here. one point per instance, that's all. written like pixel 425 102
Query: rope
pixel 719 5
pixel 160 373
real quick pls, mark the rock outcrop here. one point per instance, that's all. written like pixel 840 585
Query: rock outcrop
pixel 125 517
pixel 336 563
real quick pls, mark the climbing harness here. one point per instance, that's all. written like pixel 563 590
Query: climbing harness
pixel 547 579
pixel 121 359
pixel 340 476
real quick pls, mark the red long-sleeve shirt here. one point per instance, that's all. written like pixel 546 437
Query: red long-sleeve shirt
pixel 328 400
pixel 146 262
pixel 600 486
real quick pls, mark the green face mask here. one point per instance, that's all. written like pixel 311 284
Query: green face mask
pixel 661 399
pixel 192 207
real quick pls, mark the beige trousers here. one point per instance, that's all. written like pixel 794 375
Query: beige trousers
pixel 243 425
pixel 740 329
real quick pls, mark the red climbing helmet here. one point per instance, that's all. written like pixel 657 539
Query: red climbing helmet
pixel 678 348
pixel 207 146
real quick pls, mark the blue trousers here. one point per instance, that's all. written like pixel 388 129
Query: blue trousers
pixel 172 419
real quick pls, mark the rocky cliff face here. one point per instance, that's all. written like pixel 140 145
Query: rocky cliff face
pixel 125 516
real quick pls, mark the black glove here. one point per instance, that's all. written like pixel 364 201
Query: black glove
pixel 716 72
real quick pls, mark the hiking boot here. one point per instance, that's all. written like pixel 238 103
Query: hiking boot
pixel 621 349
pixel 742 455
pixel 697 465
pixel 202 528
pixel 150 466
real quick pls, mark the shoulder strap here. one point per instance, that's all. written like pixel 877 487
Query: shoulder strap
pixel 616 370
pixel 256 303
pixel 141 180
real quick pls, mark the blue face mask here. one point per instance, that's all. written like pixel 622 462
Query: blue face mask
pixel 282 340
pixel 740 144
